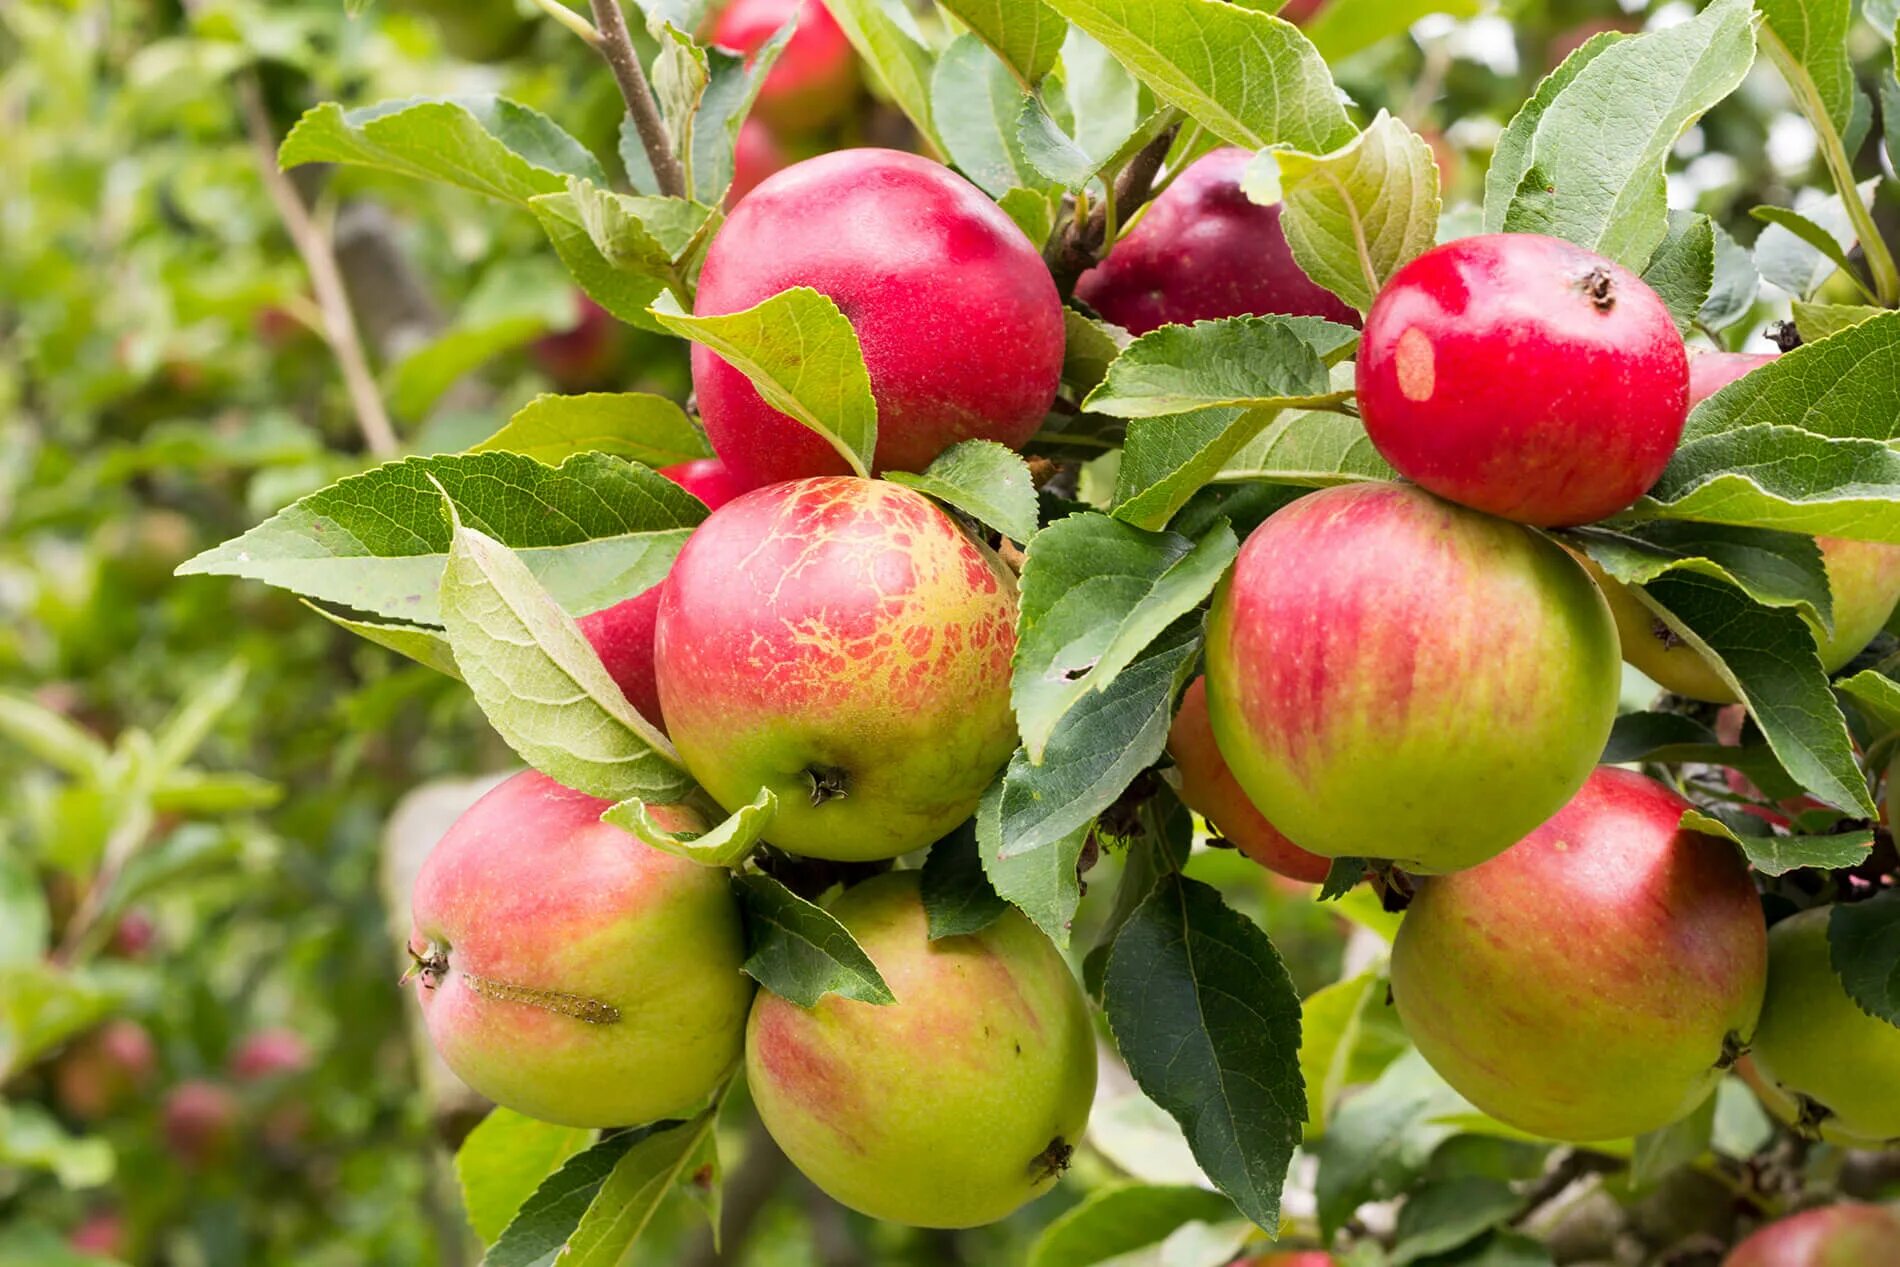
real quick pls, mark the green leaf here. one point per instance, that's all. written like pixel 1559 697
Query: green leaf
pixel 1595 174
pixel 1250 78
pixel 1816 237
pixel 1381 1139
pixel 1162 848
pixel 1790 260
pixel 1344 27
pixel 50 738
pixel 25 922
pixel 898 60
pixel 42 1005
pixel 798 951
pixel 1330 1024
pixel 1768 654
pixel 1878 697
pixel 425 644
pixel 594 530
pixel 486 144
pixel 503 1160
pixel 637 233
pixel 540 1231
pixel 1208 1022
pixel 1111 1222
pixel 1683 269
pixel 1776 569
pixel 1863 944
pixel 1095 593
pixel 985 480
pixel 679 76
pixel 726 845
pixel 540 683
pixel 733 87
pixel 1033 211
pixel 1778 855
pixel 1511 158
pixel 633 425
pixel 1243 362
pixel 1311 448
pixel 958 899
pixel 623 294
pixel 1818 321
pixel 1814 34
pixel 204 794
pixel 641 1180
pixel 513 303
pixel 803 356
pixel 31 1139
pixel 1442 1215
pixel 1043 882
pixel 1735 283
pixel 1090 347
pixel 1357 215
pixel 1026 34
pixel 976 101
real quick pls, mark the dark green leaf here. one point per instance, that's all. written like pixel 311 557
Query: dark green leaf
pixel 1683 269
pixel 798 951
pixel 958 899
pixel 1863 940
pixel 1446 1214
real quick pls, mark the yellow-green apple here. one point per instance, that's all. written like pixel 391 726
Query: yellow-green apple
pixel 1202 251
pixel 958 317
pixel 815 79
pixel 846 644
pixel 570 972
pixel 1595 980
pixel 1209 788
pixel 1833 1067
pixel 1393 676
pixel 1848 1235
pixel 1524 376
pixel 952 1106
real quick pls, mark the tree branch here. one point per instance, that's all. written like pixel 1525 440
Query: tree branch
pixel 319 260
pixel 1078 247
pixel 617 47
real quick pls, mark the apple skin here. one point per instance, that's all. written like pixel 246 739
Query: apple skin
pixel 622 635
pixel 1298 11
pixel 1849 1235
pixel 1524 376
pixel 756 154
pixel 1584 984
pixel 270 1053
pixel 1710 372
pixel 941 1109
pixel 958 317
pixel 105 1071
pixel 1291 1257
pixel 815 79
pixel 1209 788
pixel 529 893
pixel 1393 676
pixel 1202 251
pixel 199 1123
pixel 841 632
pixel 1815 1043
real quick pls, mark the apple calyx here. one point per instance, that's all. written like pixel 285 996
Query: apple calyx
pixel 1600 285
pixel 828 783
pixel 1734 1047
pixel 1053 1160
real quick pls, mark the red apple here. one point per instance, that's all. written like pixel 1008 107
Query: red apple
pixel 105 1071
pixel 1595 980
pixel 845 643
pixel 1301 10
pixel 1291 1257
pixel 959 320
pixel 270 1053
pixel 951 1107
pixel 1393 676
pixel 1848 1235
pixel 815 79
pixel 755 155
pixel 586 355
pixel 199 1123
pixel 1710 372
pixel 133 936
pixel 103 1232
pixel 1209 788
pixel 622 635
pixel 1205 250
pixel 1524 376
pixel 1833 1067
pixel 570 972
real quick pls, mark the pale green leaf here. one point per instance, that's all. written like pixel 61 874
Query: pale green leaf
pixel 634 425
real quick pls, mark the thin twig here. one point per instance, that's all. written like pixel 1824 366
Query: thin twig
pixel 1077 248
pixel 319 260
pixel 617 47
pixel 571 20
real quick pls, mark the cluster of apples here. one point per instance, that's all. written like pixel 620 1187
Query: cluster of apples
pixel 1408 671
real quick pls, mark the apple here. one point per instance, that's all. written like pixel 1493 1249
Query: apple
pixel 1710 372
pixel 1596 979
pixel 570 972
pixel 756 154
pixel 270 1053
pixel 103 1232
pixel 959 320
pixel 1205 250
pixel 1848 1235
pixel 199 1123
pixel 586 355
pixel 845 643
pixel 1524 376
pixel 1393 676
pixel 134 936
pixel 1291 1257
pixel 105 1071
pixel 1298 11
pixel 951 1107
pixel 1209 788
pixel 622 635
pixel 1835 1065
pixel 814 81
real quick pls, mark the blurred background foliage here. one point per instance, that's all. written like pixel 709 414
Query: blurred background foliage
pixel 204 1055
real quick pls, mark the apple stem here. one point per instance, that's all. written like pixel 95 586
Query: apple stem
pixel 617 47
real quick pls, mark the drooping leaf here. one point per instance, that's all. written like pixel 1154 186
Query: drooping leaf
pixel 1026 34
pixel 798 951
pixel 1683 269
pixel 624 293
pixel 957 896
pixel 804 358
pixel 1817 238
pixel 1208 1022
pixel 1776 569
pixel 427 645
pixel 726 844
pixel 657 1163
pixel 1863 944
pixel 1778 855
pixel 897 58
pixel 1044 882
pixel 1734 285
pixel 1877 696
pixel 545 1221
pixel 1790 260
pixel 635 425
pixel 983 479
